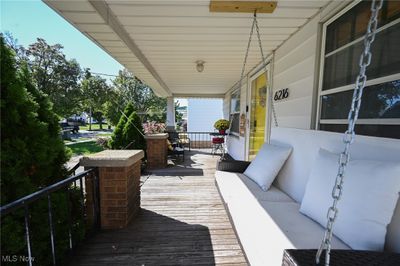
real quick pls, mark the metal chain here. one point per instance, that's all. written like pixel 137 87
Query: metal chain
pixel 264 62
pixel 348 139
pixel 247 54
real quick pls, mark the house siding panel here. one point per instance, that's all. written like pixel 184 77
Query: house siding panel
pixel 294 68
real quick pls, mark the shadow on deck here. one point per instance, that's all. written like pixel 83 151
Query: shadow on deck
pixel 182 222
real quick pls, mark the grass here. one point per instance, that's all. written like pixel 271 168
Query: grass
pixel 104 134
pixel 85 148
pixel 95 127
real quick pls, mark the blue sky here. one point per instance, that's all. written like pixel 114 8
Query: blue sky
pixel 28 20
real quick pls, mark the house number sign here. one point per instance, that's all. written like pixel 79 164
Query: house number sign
pixel 281 94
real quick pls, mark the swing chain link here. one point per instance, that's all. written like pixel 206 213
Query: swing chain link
pixel 246 56
pixel 264 62
pixel 348 138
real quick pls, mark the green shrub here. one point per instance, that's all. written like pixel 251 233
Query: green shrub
pixel 117 140
pixel 32 157
pixel 128 134
pixel 133 133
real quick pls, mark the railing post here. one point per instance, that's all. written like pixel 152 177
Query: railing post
pixel 27 236
pixel 69 218
pixel 116 187
pixel 157 150
pixel 52 237
pixel 96 198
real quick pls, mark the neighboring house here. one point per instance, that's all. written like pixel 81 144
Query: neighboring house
pixel 202 114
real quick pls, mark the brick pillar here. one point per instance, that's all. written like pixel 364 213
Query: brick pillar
pixel 157 150
pixel 119 185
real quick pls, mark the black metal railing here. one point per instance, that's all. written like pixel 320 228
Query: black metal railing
pixel 85 178
pixel 197 140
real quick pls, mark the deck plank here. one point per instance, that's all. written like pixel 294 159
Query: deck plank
pixel 182 222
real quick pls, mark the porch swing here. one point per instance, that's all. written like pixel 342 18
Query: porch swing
pixel 348 139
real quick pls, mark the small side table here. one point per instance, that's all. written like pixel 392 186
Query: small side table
pixel 220 145
pixel 306 257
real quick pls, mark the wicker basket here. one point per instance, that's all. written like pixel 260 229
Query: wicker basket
pixel 232 166
pixel 306 257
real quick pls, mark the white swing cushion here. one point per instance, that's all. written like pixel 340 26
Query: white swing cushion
pixel 370 193
pixel 267 164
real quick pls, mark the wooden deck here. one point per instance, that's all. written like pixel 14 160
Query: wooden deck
pixel 182 222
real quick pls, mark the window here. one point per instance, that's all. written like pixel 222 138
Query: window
pixel 380 109
pixel 235 112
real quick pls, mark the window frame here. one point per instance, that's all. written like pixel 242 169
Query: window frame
pixel 236 91
pixel 370 82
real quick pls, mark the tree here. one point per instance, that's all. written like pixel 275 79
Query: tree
pixel 55 76
pixel 129 89
pixel 114 105
pixel 32 157
pixel 95 93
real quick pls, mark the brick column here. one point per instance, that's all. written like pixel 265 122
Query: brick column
pixel 119 185
pixel 157 150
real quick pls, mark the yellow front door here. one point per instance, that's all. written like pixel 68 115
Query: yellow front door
pixel 258 109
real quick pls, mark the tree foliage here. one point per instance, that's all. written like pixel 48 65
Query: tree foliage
pixel 96 92
pixel 56 76
pixel 32 157
pixel 128 89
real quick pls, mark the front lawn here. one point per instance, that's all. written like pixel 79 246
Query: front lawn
pixel 95 127
pixel 85 148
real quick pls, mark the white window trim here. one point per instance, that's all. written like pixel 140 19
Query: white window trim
pixel 369 82
pixel 233 91
pixel 364 121
pixel 373 121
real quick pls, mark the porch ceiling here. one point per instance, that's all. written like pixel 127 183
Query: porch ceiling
pixel 160 41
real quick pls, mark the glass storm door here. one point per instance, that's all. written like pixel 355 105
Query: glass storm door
pixel 258 110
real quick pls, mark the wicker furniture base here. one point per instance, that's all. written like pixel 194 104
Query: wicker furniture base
pixel 230 165
pixel 303 257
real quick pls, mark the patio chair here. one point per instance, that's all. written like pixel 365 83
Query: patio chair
pixel 176 150
pixel 179 138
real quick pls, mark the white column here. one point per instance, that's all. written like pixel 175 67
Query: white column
pixel 170 113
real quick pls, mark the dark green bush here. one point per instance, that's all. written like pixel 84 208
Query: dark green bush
pixel 116 141
pixel 32 157
pixel 133 133
pixel 128 134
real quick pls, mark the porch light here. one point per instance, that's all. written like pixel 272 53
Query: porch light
pixel 200 65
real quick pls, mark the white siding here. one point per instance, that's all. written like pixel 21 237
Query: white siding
pixel 202 113
pixel 294 68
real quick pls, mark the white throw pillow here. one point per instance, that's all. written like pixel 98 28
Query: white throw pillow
pixel 267 164
pixel 370 194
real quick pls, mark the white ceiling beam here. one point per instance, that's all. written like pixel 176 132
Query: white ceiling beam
pixel 104 11
pixel 210 22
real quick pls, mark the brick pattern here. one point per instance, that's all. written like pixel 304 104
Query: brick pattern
pixel 157 151
pixel 119 195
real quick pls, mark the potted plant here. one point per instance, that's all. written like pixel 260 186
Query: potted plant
pixel 153 128
pixel 221 125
